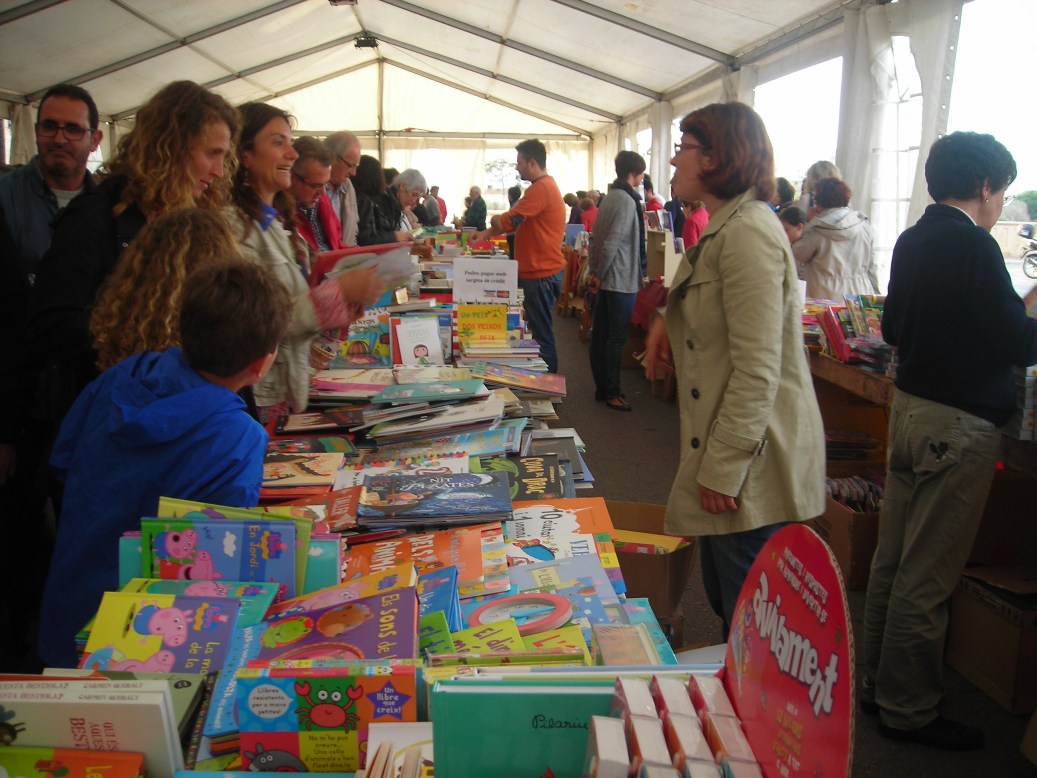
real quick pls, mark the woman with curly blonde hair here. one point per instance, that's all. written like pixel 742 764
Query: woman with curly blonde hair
pixel 138 307
pixel 179 154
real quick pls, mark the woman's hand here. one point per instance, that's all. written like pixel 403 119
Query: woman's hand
pixel 593 283
pixel 360 285
pixel 715 502
pixel 404 237
pixel 657 350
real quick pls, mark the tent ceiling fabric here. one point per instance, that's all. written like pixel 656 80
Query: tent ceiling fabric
pixel 525 67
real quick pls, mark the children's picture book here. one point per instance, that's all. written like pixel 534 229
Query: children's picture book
pixel 255 597
pixel 381 627
pixel 160 633
pixel 416 340
pixel 170 507
pixel 317 444
pixel 337 507
pixel 410 747
pixel 555 519
pixel 494 564
pixel 482 324
pixel 126 716
pixel 521 728
pixel 282 470
pixel 426 374
pixel 457 546
pixel 423 499
pixel 529 478
pixel 214 549
pixel 391 578
pixel 350 384
pixel 437 591
pixel 528 380
pixel 317 720
pixel 354 473
pixel 30 762
pixel 431 391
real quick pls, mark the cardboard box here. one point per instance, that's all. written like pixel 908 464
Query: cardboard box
pixel 852 536
pixel 992 636
pixel 661 578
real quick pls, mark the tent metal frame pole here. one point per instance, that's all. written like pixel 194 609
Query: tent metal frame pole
pixel 457 24
pixel 381 114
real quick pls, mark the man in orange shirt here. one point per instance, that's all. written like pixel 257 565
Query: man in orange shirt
pixel 538 221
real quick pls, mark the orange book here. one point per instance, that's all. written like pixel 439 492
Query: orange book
pixel 458 546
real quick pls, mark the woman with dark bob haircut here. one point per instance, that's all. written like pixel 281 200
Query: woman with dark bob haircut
pixel 753 453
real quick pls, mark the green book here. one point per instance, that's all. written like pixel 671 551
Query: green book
pixel 517 728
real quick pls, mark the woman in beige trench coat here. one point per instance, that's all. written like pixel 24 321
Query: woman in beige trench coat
pixel 753 447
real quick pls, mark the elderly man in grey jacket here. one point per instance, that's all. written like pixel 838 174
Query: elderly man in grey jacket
pixel 615 258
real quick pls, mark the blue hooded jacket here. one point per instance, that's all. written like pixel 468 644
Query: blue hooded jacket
pixel 148 427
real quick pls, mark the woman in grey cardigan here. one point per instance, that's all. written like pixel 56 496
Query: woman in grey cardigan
pixel 615 260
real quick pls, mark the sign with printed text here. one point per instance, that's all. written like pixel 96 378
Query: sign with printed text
pixel 485 281
pixel 789 664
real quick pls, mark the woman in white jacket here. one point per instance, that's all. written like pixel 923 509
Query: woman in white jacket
pixel 834 254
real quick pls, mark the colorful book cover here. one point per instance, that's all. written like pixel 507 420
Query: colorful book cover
pixel 255 597
pixel 469 415
pixel 212 549
pixel 416 340
pixel 530 380
pixel 482 324
pixel 30 762
pixel 317 720
pixel 434 634
pixel 430 391
pixel 354 473
pixel 100 716
pixel 431 498
pixel 395 577
pixel 582 581
pixel 533 549
pixel 529 477
pixel 568 638
pixel 457 546
pixel 532 520
pixel 283 470
pixel 495 565
pixel 522 728
pixel 171 507
pixel 315 444
pixel 437 591
pixel 382 627
pixel 337 507
pixel 410 744
pixel 162 633
pixel 350 384
pixel 497 636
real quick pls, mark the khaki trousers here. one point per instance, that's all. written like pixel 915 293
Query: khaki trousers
pixel 941 464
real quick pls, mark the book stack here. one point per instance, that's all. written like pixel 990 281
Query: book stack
pixel 567 445
pixel 1021 423
pixel 524 383
pixel 405 499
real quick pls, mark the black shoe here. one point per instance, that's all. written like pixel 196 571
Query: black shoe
pixel 939 733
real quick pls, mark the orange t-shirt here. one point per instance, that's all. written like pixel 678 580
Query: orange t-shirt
pixel 538 220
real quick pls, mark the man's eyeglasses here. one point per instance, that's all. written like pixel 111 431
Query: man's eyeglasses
pixel 48 129
pixel 679 147
pixel 307 184
pixel 1009 198
pixel 347 163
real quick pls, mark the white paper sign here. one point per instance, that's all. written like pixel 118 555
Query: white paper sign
pixel 485 281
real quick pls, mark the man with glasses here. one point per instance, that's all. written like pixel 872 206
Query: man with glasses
pixel 315 217
pixel 344 148
pixel 30 198
pixel 32 195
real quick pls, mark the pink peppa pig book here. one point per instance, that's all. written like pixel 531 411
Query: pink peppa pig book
pixel 161 633
pixel 220 549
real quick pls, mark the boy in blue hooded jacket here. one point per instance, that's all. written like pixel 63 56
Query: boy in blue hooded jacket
pixel 160 424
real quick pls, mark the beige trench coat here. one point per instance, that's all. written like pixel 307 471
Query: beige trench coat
pixel 750 425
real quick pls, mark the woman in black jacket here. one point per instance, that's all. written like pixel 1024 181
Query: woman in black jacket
pixel 374 225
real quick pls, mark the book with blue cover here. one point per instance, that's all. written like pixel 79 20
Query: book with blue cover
pixel 215 549
pixel 437 591
pixel 431 392
pixel 431 499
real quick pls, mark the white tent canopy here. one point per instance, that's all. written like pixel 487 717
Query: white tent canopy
pixel 448 86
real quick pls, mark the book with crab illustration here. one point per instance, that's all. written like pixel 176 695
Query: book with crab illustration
pixel 317 719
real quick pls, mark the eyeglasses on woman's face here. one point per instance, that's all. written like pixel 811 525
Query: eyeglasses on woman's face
pixel 680 147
